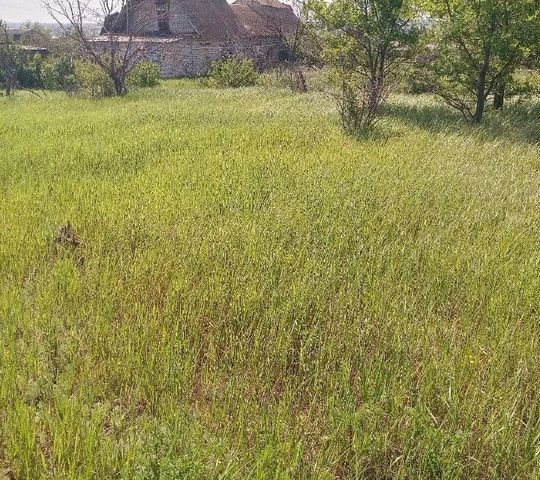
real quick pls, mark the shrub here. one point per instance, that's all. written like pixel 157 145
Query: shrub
pixel 20 68
pixel 145 75
pixel 359 102
pixel 233 72
pixel 292 77
pixel 58 74
pixel 524 83
pixel 416 80
pixel 92 81
pixel 36 72
pixel 29 71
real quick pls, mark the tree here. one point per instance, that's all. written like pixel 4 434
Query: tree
pixel 479 45
pixel 365 41
pixel 114 53
pixel 36 35
pixel 288 24
pixel 10 57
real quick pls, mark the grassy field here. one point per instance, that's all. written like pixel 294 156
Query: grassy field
pixel 246 293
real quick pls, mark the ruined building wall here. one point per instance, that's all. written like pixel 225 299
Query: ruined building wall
pixel 192 57
pixel 143 19
pixel 184 37
pixel 182 58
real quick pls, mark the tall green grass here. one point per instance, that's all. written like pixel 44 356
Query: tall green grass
pixel 257 296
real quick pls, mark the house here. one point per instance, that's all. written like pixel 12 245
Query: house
pixel 266 18
pixel 184 37
pixel 268 23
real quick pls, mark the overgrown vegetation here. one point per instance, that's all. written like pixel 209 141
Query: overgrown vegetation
pixel 92 81
pixel 480 44
pixel 233 72
pixel 468 52
pixel 203 284
pixel 145 75
pixel 365 41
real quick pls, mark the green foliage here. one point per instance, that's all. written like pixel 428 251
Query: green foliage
pixel 293 77
pixel 246 293
pixel 145 75
pixel 58 74
pixel 233 72
pixel 37 72
pixel 12 61
pixel 358 104
pixel 363 41
pixel 92 81
pixel 29 71
pixel 524 83
pixel 479 45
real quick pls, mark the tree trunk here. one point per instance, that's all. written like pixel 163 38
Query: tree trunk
pixel 480 106
pixel 119 86
pixel 498 100
pixel 299 83
pixel 9 85
pixel 481 88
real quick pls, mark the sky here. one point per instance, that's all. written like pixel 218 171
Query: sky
pixel 22 10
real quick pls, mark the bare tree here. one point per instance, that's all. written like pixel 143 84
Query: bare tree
pixel 288 25
pixel 116 51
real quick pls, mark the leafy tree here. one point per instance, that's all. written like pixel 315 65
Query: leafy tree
pixel 479 45
pixel 10 60
pixel 58 73
pixel 364 41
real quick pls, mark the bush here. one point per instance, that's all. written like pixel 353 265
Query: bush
pixel 416 81
pixel 145 75
pixel 58 74
pixel 524 83
pixel 292 77
pixel 21 68
pixel 37 72
pixel 233 72
pixel 92 81
pixel 359 102
pixel 29 71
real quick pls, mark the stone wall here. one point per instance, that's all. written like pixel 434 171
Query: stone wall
pixel 181 57
pixel 192 57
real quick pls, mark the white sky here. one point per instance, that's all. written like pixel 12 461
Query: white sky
pixel 21 10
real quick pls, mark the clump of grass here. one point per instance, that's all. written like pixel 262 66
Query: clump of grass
pixel 262 297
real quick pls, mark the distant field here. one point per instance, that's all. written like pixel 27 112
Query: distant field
pixel 246 293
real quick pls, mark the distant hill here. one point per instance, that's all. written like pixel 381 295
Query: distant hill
pixel 53 27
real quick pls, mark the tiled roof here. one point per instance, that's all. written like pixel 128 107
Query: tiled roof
pixel 265 18
pixel 211 19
